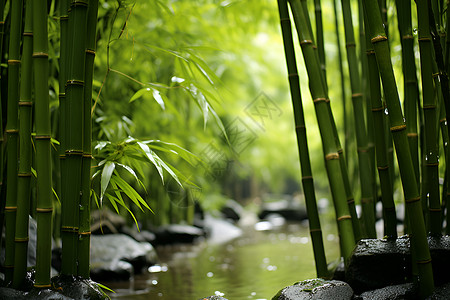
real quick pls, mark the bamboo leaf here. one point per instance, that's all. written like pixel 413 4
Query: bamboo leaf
pixel 106 177
pixel 131 193
pixel 132 172
pixel 159 99
pixel 112 200
pixel 139 94
pixel 151 157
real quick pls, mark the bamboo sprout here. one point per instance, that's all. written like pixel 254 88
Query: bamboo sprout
pixel 23 193
pixel 398 129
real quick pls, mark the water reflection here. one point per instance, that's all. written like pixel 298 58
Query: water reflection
pixel 254 266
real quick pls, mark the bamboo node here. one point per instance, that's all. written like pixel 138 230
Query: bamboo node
pixel 69 229
pixel 307 177
pixel 13 61
pixel 424 261
pixel 74 153
pixel 293 75
pixel 370 52
pixel 412 200
pixel 2 22
pixel 62 95
pixel 12 130
pixel 378 38
pixel 8 266
pixel 88 156
pixel 24 174
pixel 350 45
pixel 430 106
pixel 436 74
pixel 42 286
pixel 375 109
pixel 62 156
pixel 90 51
pixel 317 100
pixel 285 19
pixel 362 150
pixel 407 37
pixel 398 128
pixel 331 156
pixel 40 55
pixel 432 164
pixel 64 18
pixel 389 208
pixel 350 201
pixel 366 200
pixel 10 208
pixel 315 230
pixel 21 240
pixel 42 137
pixel 44 210
pixel 345 217
pixel 412 134
pixel 79 3
pixel 300 127
pixel 75 82
pixel 424 39
pixel 383 168
pixel 28 34
pixel 434 209
pixel 357 95
pixel 305 42
pixel 85 233
pixel 25 103
pixel 340 151
pixel 443 120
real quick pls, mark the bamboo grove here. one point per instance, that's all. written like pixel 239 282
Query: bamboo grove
pixel 416 126
pixel 30 140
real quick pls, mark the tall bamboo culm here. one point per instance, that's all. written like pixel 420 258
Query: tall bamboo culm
pixel 73 139
pixel 307 179
pixel 327 130
pixel 360 126
pixel 2 55
pixel 23 192
pixel 85 212
pixel 398 129
pixel 42 141
pixel 12 128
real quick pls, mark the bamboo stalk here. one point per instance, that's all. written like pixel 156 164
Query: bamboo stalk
pixel 85 212
pixel 302 143
pixel 2 187
pixel 365 172
pixel 74 140
pixel 377 109
pixel 12 135
pixel 23 192
pixel 319 36
pixel 398 129
pixel 42 141
pixel 327 131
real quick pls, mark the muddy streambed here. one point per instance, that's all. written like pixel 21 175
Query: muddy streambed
pixel 253 266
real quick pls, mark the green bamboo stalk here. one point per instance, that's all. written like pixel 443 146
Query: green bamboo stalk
pixel 327 131
pixel 319 37
pixel 431 160
pixel 365 172
pixel 85 211
pixel 74 140
pixel 398 129
pixel 302 143
pixel 2 201
pixel 377 108
pixel 43 149
pixel 23 192
pixel 12 135
pixel 410 85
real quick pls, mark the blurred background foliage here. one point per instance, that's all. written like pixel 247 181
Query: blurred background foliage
pixel 204 85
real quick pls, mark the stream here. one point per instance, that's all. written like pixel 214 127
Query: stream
pixel 253 266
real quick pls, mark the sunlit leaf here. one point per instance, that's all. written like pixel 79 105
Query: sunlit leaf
pixel 106 177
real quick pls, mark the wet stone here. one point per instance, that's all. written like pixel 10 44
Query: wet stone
pixel 213 298
pixel 393 292
pixel 315 289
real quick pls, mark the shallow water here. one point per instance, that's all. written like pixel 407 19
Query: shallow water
pixel 254 266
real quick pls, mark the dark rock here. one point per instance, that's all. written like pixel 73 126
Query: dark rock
pixel 8 293
pixel 441 292
pixel 105 221
pixel 232 210
pixel 379 263
pixel 337 269
pixel 213 298
pixel 116 253
pixel 220 231
pixel 76 288
pixel 394 292
pixel 140 236
pixel 177 234
pixel 376 264
pixel 286 209
pixel 315 289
